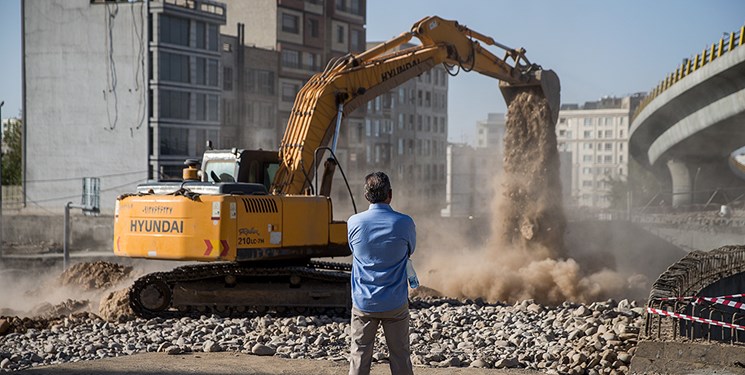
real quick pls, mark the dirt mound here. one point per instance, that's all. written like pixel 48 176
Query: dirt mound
pixel 95 275
pixel 114 306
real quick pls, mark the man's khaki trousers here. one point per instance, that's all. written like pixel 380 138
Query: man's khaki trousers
pixel 396 329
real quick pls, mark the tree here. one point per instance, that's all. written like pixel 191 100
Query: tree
pixel 11 157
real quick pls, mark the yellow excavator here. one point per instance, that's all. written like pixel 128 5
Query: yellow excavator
pixel 258 218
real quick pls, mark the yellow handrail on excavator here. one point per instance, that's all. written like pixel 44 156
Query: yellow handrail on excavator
pixel 352 81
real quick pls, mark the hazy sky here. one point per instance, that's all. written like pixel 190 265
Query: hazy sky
pixel 598 48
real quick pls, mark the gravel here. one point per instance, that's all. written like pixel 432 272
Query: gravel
pixel 598 338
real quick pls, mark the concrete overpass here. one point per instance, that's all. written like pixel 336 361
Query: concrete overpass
pixel 688 126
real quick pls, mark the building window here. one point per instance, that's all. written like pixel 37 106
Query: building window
pixel 587 158
pixel 356 7
pixel 207 107
pixel 207 36
pixel 341 5
pixel 289 91
pixel 313 27
pixel 290 23
pixel 266 115
pixel 227 78
pixel 587 134
pixel 174 67
pixel 174 104
pixel 608 146
pixel 311 61
pixel 174 30
pixel 587 183
pixel 340 34
pixel 586 170
pixel 290 59
pixel 174 141
pixel 356 42
pixel 587 146
pixel 588 121
pixel 608 159
pixel 609 134
pixel 266 82
pixel 207 71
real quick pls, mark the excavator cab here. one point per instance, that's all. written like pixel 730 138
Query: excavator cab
pixel 235 165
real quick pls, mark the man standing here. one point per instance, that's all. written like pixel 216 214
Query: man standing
pixel 381 240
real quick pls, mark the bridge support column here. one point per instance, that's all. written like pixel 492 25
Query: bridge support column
pixel 682 183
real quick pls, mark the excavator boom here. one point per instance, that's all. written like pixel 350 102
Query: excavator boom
pixel 352 81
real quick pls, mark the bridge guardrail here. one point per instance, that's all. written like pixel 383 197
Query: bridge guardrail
pixel 717 49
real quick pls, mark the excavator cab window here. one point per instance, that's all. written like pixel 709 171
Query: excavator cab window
pixel 220 171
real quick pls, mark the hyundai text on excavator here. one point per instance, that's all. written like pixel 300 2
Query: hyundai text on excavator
pixel 258 218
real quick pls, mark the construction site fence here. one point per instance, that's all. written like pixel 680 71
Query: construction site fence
pixel 689 65
pixel 690 277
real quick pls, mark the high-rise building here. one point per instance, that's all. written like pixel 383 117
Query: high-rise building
pixel 597 135
pixel 120 90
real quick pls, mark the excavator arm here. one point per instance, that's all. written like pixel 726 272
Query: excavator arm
pixel 352 81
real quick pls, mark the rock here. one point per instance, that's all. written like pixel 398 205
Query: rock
pixel 624 357
pixel 582 311
pixel 211 347
pixel 5 363
pixel 506 363
pixel 450 362
pixel 4 326
pixel 173 350
pixel 260 349
pixel 479 363
pixel 535 308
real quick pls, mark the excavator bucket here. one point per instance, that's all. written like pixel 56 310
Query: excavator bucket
pixel 545 80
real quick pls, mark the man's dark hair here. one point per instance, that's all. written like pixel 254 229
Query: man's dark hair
pixel 377 186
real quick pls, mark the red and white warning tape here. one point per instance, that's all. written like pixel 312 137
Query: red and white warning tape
pixel 696 297
pixel 695 319
pixel 722 301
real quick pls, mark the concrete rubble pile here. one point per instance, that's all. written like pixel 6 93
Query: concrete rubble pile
pixel 599 338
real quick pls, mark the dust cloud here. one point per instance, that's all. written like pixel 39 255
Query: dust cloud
pixel 45 292
pixel 525 256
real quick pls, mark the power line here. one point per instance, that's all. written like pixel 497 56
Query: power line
pixel 78 178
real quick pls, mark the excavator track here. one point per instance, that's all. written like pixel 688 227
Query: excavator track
pixel 244 289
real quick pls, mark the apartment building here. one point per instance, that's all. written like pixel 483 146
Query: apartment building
pixel 596 135
pixel 119 90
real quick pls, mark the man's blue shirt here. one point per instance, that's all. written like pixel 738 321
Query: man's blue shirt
pixel 381 240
